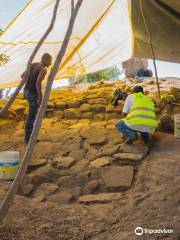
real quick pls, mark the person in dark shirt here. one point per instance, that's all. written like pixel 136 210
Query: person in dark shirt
pixel 33 91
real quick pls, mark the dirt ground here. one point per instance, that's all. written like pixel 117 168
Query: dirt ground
pixel 152 201
pixel 83 182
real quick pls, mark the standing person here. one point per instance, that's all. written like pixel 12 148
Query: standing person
pixel 33 91
pixel 138 116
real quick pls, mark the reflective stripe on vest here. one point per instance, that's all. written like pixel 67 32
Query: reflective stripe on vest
pixel 141 116
pixel 142 112
pixel 142 108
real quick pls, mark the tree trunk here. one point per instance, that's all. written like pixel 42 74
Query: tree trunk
pixel 21 84
pixel 27 156
pixel 1 94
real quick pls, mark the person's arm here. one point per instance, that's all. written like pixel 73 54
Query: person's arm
pixel 41 77
pixel 24 76
pixel 127 105
pixel 123 114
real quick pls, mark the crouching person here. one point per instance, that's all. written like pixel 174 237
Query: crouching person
pixel 138 116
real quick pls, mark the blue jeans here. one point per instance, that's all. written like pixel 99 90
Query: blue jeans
pixel 130 133
pixel 33 108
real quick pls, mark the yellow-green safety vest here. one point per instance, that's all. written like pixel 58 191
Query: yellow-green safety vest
pixel 142 112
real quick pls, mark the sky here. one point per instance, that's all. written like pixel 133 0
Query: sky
pixel 10 8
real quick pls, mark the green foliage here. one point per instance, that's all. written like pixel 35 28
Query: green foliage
pixel 106 74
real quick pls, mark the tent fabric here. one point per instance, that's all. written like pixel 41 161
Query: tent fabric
pixel 106 32
pixel 163 20
pixel 101 37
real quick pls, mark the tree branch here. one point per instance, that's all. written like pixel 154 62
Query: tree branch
pixel 28 67
pixel 27 156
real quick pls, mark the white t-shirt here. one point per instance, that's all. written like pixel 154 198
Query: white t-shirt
pixel 137 127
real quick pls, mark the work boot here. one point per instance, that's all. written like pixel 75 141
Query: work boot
pixel 146 137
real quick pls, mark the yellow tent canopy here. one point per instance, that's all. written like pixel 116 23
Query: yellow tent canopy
pixel 106 32
pixel 163 20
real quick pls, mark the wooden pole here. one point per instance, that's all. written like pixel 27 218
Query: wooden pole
pixel 27 156
pixel 152 49
pixel 28 67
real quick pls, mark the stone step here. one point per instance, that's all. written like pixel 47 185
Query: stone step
pixel 116 177
pixel 128 158
pixel 99 198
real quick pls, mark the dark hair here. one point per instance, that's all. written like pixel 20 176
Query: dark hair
pixel 46 55
pixel 138 89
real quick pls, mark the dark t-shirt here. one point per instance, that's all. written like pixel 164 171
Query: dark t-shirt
pixel 34 72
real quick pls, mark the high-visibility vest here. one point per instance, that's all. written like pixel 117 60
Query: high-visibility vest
pixel 142 112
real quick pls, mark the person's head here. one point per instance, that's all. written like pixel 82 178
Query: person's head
pixel 138 89
pixel 46 59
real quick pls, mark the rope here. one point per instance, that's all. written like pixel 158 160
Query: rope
pixel 152 49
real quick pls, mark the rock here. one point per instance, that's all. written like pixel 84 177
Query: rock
pixel 108 150
pixel 85 107
pixel 75 191
pixel 98 124
pixel 47 123
pixel 110 109
pixel 45 189
pixel 58 114
pixel 35 163
pixel 100 211
pixel 135 148
pixel 87 115
pixel 72 113
pixel 19 109
pixel 112 116
pixel 87 146
pixel 166 123
pixel 61 197
pixel 43 150
pixel 80 166
pixel 64 162
pixel 99 108
pixel 42 170
pixel 61 105
pixel 114 137
pixel 51 105
pixel 26 190
pixel 38 199
pixel 99 101
pixel 99 198
pixel 99 116
pixel 74 104
pixel 83 178
pixel 96 140
pixel 91 187
pixel 79 125
pixel 66 182
pixel 118 177
pixel 130 158
pixel 92 154
pixel 44 174
pixel 78 153
pixel 101 162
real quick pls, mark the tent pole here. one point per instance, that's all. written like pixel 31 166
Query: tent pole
pixel 27 156
pixel 28 67
pixel 152 50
